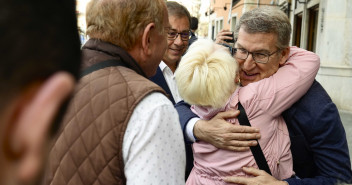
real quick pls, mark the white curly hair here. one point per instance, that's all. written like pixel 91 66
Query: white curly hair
pixel 206 74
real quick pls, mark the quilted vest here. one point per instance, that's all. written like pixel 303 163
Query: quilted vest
pixel 88 149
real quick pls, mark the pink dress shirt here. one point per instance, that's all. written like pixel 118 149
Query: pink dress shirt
pixel 264 101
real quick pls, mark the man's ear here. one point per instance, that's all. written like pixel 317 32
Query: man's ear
pixel 30 122
pixel 147 38
pixel 285 53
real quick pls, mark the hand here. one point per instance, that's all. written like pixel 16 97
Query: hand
pixel 222 35
pixel 224 135
pixel 261 178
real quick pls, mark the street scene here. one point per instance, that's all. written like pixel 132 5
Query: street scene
pixel 315 25
pixel 176 92
pixel 320 26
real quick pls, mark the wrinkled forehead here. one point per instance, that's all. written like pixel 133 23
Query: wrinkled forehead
pixel 256 41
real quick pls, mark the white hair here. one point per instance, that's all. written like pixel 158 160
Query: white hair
pixel 206 74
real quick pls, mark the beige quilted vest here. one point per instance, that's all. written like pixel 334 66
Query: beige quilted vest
pixel 88 150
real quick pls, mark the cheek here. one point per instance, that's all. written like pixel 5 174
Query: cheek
pixel 169 42
pixel 268 71
pixel 184 49
pixel 240 64
pixel 165 44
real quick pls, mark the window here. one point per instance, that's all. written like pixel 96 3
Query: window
pixel 297 34
pixel 312 29
pixel 221 24
pixel 233 23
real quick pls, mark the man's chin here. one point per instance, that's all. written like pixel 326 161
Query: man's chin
pixel 245 82
pixel 175 53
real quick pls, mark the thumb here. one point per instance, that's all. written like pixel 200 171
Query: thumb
pixel 228 114
pixel 253 171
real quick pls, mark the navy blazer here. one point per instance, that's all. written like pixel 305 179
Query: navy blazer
pixel 159 79
pixel 318 139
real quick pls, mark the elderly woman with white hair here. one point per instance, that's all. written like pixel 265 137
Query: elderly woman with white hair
pixel 206 79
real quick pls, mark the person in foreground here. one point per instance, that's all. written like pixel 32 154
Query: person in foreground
pixel 206 79
pixel 318 140
pixel 120 127
pixel 40 60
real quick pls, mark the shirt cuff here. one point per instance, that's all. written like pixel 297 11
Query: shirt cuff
pixel 189 129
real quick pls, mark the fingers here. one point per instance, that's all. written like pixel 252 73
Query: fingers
pixel 230 142
pixel 224 30
pixel 245 129
pixel 240 137
pixel 254 171
pixel 234 147
pixel 227 115
pixel 238 180
pixel 237 128
pixel 245 180
pixel 237 149
pixel 225 135
pixel 223 35
pixel 260 177
pixel 238 146
pixel 220 39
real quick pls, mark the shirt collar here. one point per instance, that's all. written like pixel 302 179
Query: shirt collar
pixel 162 65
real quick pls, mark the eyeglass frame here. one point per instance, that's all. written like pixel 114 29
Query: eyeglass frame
pixel 233 51
pixel 253 55
pixel 179 33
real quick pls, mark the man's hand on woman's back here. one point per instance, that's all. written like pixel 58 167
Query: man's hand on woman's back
pixel 225 135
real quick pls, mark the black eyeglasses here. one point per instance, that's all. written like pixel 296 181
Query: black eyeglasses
pixel 262 58
pixel 172 35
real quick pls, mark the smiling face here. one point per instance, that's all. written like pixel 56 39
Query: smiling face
pixel 176 48
pixel 251 71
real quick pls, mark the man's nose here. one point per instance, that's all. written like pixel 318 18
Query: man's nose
pixel 178 40
pixel 249 63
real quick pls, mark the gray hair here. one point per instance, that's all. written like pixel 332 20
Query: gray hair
pixel 266 20
pixel 177 10
pixel 112 20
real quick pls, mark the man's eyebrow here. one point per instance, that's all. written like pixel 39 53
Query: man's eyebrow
pixel 239 45
pixel 261 51
pixel 256 51
pixel 173 29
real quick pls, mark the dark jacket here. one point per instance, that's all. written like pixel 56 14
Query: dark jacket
pixel 192 39
pixel 319 146
pixel 159 79
pixel 318 140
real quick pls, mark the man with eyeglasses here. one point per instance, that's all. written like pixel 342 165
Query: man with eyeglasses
pixel 318 139
pixel 177 43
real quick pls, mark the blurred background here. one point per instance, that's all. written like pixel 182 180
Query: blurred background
pixel 320 26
